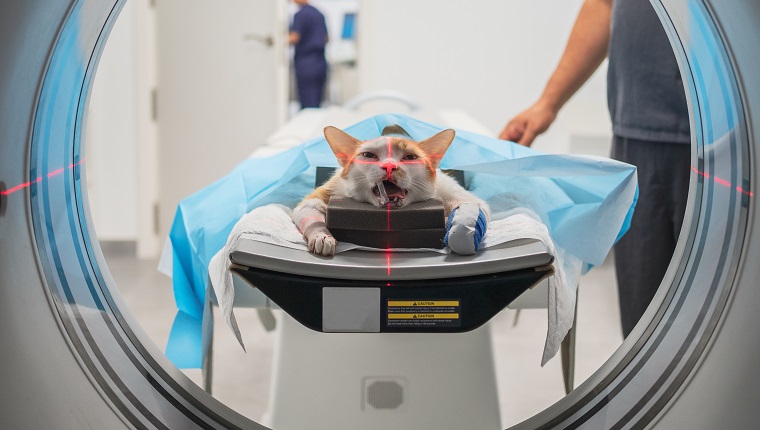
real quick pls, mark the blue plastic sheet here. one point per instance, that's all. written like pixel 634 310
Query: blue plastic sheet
pixel 586 202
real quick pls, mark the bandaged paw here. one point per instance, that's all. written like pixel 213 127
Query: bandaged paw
pixel 465 229
pixel 322 243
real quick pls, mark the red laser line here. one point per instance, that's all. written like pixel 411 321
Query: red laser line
pixel 16 188
pixel 389 216
pixel 366 162
pixel 314 218
pixel 39 179
pixel 55 172
pixel 741 190
pixel 21 186
pixel 721 181
pixel 703 174
pixel 388 250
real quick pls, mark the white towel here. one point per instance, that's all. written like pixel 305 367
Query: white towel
pixel 272 224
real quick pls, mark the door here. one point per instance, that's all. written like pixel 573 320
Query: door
pixel 221 90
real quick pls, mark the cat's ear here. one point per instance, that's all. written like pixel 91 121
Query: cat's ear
pixel 437 145
pixel 342 144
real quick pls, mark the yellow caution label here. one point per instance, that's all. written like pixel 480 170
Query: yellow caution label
pixel 424 303
pixel 423 316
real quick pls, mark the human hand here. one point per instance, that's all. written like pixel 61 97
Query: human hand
pixel 528 124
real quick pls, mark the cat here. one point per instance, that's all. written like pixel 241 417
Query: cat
pixel 392 171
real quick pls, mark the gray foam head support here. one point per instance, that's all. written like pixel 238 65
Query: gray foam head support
pixel 395 130
pixel 346 213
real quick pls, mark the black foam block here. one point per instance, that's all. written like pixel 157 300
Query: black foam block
pixel 418 225
pixel 424 238
pixel 346 213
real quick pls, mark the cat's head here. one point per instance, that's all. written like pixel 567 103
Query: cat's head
pixel 391 171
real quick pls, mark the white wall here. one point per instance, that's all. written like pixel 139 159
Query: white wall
pixel 111 148
pixel 122 156
pixel 490 58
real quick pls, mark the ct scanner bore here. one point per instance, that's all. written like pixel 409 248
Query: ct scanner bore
pixel 72 359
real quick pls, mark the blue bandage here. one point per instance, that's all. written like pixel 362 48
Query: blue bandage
pixel 465 229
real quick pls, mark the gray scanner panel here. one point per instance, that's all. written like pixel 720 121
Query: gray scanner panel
pixel 347 310
pixel 377 265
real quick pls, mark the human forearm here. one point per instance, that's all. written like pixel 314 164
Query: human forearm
pixel 585 50
pixel 293 37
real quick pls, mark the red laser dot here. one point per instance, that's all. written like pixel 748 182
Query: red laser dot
pixel 389 167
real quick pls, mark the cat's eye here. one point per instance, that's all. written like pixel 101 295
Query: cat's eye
pixel 410 157
pixel 368 155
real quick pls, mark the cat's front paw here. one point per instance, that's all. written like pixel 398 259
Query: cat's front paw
pixel 466 228
pixel 322 243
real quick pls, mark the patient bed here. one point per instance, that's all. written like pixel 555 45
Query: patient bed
pixel 399 296
pixel 358 292
pixel 364 291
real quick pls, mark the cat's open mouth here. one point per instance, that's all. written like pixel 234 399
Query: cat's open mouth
pixel 390 192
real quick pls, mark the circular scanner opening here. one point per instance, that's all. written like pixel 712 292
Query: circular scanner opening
pixel 241 379
pixel 116 293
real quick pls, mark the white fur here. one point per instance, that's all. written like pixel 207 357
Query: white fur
pixel 452 194
pixel 307 216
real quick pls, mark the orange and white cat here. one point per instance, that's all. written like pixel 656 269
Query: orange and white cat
pixel 391 171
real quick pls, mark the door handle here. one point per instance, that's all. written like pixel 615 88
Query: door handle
pixel 268 41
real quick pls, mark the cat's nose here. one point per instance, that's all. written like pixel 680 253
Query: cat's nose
pixel 389 167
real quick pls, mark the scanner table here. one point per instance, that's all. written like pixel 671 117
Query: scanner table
pixel 331 304
pixel 384 291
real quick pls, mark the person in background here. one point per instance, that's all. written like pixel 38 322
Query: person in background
pixel 308 35
pixel 650 124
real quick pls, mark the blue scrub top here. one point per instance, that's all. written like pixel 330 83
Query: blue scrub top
pixel 310 24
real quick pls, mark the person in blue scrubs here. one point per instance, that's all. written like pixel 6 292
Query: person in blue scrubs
pixel 308 35
pixel 650 126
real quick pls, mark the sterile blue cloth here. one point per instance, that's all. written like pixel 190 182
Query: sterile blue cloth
pixel 586 202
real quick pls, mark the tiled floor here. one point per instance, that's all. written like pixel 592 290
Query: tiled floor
pixel 241 380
